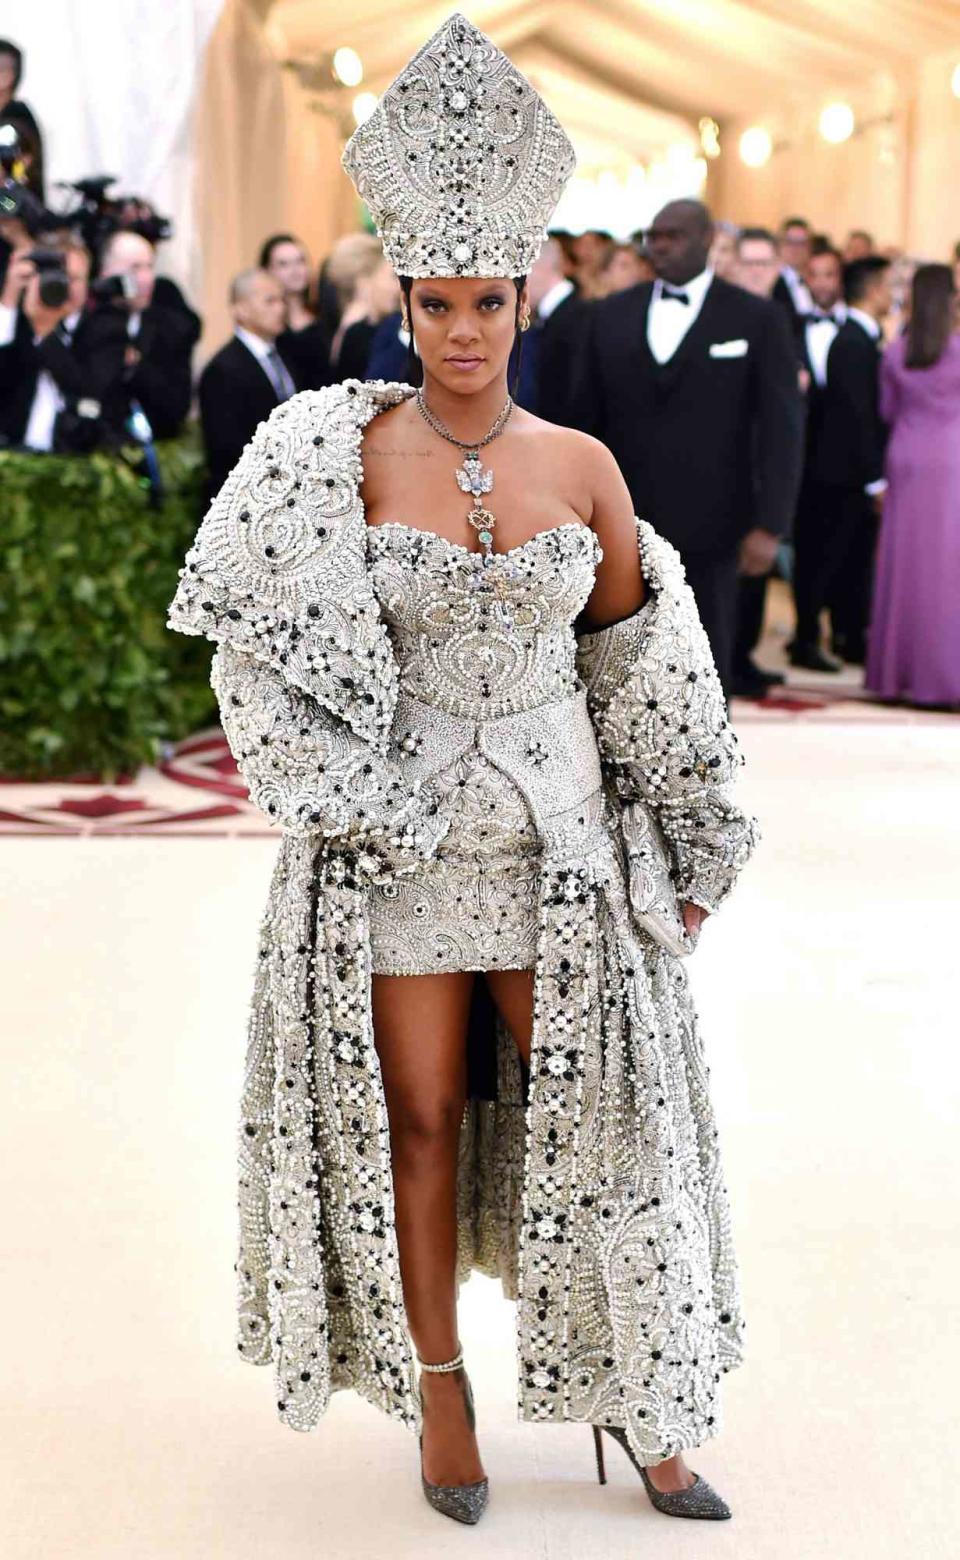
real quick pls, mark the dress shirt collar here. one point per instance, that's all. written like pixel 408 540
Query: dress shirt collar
pixel 837 315
pixel 870 325
pixel 696 289
pixel 261 349
pixel 554 296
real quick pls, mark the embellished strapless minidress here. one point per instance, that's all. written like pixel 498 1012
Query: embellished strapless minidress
pixel 477 642
pixel 475 906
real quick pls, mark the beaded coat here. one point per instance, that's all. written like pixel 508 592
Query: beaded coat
pixel 590 1185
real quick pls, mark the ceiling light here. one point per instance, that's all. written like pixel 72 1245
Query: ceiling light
pixel 756 146
pixel 363 106
pixel 955 81
pixel 709 137
pixel 837 123
pixel 348 67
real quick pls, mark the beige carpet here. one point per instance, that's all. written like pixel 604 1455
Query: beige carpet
pixel 130 1430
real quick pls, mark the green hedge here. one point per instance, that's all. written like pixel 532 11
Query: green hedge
pixel 91 680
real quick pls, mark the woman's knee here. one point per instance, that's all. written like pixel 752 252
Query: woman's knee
pixel 422 1129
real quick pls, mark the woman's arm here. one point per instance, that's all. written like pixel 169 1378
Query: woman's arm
pixel 889 387
pixel 619 590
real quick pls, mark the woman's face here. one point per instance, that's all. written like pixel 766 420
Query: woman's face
pixel 625 269
pixel 8 75
pixel 464 328
pixel 382 291
pixel 723 254
pixel 288 265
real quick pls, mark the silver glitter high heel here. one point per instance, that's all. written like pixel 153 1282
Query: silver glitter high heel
pixel 463 1502
pixel 700 1500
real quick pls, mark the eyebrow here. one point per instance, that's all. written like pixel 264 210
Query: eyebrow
pixel 433 292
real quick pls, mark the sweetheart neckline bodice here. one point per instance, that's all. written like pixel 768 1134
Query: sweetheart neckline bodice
pixel 469 552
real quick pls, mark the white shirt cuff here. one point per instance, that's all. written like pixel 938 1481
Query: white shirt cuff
pixel 873 488
pixel 8 324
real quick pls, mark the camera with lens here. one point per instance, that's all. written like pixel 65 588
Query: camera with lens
pixel 109 289
pixel 53 284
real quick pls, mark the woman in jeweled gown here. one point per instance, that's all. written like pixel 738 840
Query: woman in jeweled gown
pixel 474 690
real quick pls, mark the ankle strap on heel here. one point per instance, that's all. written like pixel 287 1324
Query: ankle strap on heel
pixel 444 1365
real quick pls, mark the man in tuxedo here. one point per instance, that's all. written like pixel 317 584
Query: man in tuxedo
pixel 247 378
pixel 43 364
pixel 692 383
pixel 790 290
pixel 141 339
pixel 757 270
pixel 556 312
pixel 843 477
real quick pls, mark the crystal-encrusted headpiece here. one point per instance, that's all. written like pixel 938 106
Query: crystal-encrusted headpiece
pixel 461 163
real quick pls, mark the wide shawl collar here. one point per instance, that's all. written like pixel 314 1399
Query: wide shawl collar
pixel 278 567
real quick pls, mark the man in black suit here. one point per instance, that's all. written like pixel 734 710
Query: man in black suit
pixel 790 289
pixel 843 479
pixel 757 270
pixel 141 339
pixel 692 384
pixel 557 313
pixel 43 363
pixel 246 379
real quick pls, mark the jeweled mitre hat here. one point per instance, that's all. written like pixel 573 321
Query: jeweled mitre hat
pixel 461 163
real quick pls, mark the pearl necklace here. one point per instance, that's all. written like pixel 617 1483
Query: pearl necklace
pixel 473 477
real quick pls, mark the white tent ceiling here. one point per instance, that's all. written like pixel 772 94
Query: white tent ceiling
pixel 628 77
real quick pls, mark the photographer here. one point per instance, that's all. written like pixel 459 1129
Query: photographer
pixel 14 109
pixel 44 369
pixel 141 338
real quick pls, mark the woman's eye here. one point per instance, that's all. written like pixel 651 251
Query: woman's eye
pixel 431 305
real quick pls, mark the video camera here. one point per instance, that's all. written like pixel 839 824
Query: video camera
pixel 100 214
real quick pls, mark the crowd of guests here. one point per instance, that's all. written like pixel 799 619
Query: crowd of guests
pixel 774 402
pixel 745 383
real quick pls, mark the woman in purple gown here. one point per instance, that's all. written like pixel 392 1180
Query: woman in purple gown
pixel 914 652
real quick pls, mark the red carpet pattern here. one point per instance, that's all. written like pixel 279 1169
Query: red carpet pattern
pixel 197 791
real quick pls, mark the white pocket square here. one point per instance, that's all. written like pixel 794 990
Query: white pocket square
pixel 736 348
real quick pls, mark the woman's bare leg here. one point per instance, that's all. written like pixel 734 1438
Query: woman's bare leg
pixel 512 991
pixel 420 1026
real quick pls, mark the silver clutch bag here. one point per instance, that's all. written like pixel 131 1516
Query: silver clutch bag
pixel 653 899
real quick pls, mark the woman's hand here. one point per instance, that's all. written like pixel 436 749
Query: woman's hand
pixel 693 917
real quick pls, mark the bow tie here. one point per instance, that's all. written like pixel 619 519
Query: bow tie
pixel 674 294
pixel 818 319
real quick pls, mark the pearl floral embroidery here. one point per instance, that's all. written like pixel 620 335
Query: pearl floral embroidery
pixel 461 163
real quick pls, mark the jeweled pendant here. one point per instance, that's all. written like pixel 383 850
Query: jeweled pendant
pixel 473 478
pixel 482 520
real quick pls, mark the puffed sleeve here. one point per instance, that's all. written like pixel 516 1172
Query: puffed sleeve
pixel 312 775
pixel 662 729
pixel 303 669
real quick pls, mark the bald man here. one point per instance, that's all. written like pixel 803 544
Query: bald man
pixel 141 338
pixel 247 378
pixel 692 383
